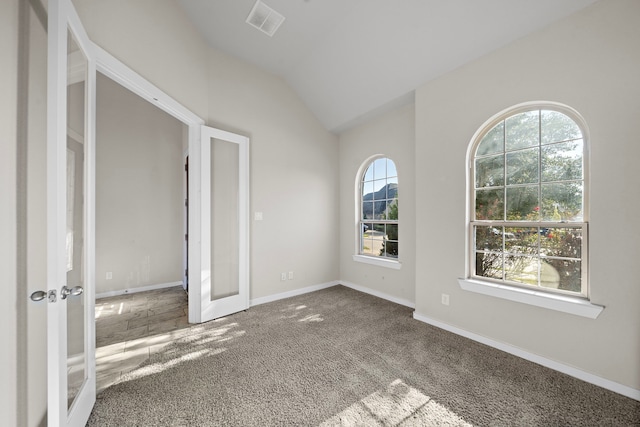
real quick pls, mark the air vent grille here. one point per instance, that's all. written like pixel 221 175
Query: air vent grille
pixel 264 18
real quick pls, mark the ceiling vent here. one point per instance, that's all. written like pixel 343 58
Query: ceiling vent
pixel 264 18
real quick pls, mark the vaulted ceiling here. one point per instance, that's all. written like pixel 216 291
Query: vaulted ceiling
pixel 350 59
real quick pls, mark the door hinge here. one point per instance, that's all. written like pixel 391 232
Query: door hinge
pixel 186 237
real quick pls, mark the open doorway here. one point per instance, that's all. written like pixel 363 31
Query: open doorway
pixel 140 266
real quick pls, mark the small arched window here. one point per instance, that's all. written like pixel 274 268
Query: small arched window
pixel 378 223
pixel 528 219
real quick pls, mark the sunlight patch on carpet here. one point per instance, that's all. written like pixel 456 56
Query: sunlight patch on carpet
pixel 293 311
pixel 399 404
pixel 311 318
pixel 188 348
pixel 156 368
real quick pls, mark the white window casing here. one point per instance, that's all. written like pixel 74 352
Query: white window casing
pixel 519 247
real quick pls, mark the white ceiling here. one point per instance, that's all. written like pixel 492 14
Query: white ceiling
pixel 349 59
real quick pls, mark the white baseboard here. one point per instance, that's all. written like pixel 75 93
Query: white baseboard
pixel 552 364
pixel 378 294
pixel 140 289
pixel 293 293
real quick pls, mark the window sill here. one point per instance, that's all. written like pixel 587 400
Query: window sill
pixel 381 262
pixel 563 303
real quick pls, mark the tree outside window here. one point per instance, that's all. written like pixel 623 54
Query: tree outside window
pixel 528 221
pixel 378 225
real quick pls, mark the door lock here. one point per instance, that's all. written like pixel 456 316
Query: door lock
pixel 40 295
pixel 52 295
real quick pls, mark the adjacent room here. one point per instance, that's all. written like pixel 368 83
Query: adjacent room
pixel 206 194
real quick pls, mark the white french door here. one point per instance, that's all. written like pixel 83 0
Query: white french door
pixel 222 287
pixel 71 374
pixel 218 215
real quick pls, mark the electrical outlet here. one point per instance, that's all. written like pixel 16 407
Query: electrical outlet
pixel 109 275
pixel 283 276
pixel 291 275
pixel 445 299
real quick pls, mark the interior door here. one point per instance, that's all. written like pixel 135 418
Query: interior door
pixel 224 226
pixel 71 387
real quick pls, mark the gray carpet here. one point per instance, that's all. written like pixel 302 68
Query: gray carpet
pixel 340 357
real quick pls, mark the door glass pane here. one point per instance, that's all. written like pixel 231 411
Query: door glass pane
pixel 225 186
pixel 76 304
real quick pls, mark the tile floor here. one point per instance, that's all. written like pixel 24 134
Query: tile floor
pixel 131 327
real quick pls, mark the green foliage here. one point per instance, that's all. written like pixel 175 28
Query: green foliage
pixel 390 243
pixel 529 167
pixel 523 180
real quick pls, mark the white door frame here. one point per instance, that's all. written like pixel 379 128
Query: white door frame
pixel 62 15
pixel 126 77
pixel 199 300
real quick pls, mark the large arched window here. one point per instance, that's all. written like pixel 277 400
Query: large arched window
pixel 378 209
pixel 528 217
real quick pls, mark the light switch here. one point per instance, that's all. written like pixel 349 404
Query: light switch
pixel 257 216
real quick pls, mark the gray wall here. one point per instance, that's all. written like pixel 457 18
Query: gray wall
pixel 23 244
pixel 589 61
pixel 139 192
pixel 8 128
pixel 392 134
pixel 294 176
pixel 294 160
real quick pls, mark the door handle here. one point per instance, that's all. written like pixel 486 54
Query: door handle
pixel 65 292
pixel 40 295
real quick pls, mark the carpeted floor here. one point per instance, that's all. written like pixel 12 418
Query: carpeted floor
pixel 340 357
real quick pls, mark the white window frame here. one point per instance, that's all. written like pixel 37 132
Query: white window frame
pixel 381 261
pixel 567 302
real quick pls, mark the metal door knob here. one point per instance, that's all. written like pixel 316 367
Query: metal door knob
pixel 65 292
pixel 38 296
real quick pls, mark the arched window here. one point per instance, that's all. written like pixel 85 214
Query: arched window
pixel 378 223
pixel 528 219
